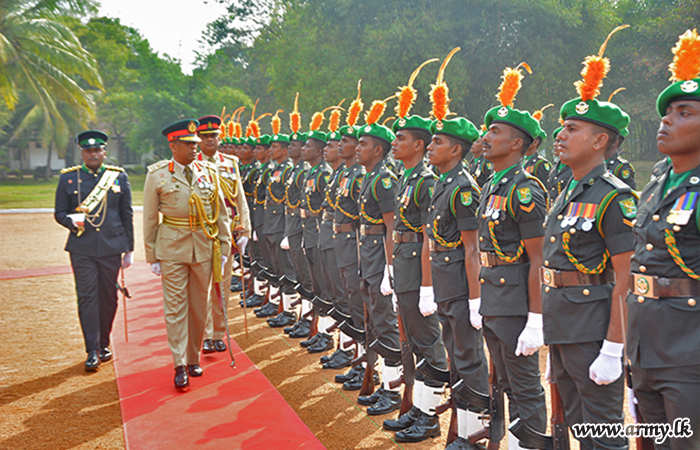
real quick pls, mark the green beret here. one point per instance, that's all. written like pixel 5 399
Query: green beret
pixel 377 131
pixel 234 141
pixel 262 140
pixel 301 137
pixel 318 135
pixel 458 127
pixel 543 134
pixel 522 120
pixel 483 133
pixel 412 123
pixel 334 136
pixel 605 114
pixel 680 90
pixel 279 138
pixel 556 132
pixel 347 130
pixel 624 132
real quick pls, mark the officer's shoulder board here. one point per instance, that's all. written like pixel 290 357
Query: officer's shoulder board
pixel 160 164
pixel 115 168
pixel 615 182
pixel 70 169
pixel 234 159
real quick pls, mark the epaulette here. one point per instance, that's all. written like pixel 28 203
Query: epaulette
pixel 69 169
pixel 115 168
pixel 615 182
pixel 160 164
pixel 232 157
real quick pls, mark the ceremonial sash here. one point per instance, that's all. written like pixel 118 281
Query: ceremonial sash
pixel 98 193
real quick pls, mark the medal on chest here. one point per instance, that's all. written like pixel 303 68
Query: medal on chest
pixel 682 209
pixel 496 207
pixel 406 197
pixel 583 211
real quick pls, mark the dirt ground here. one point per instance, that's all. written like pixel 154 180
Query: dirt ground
pixel 48 401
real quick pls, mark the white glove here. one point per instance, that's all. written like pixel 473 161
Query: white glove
pixel 532 336
pixel 426 301
pixel 548 369
pixel 77 219
pixel 632 404
pixel 155 268
pixel 385 286
pixel 242 243
pixel 224 259
pixel 474 316
pixel 255 236
pixel 284 245
pixel 607 367
pixel 128 260
pixel 395 302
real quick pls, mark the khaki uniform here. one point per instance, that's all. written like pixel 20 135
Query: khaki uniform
pixel 185 255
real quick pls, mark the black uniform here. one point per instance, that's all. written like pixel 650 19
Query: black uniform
pixel 312 196
pixel 660 167
pixel 249 174
pixel 622 169
pixel 513 210
pixel 576 301
pixel 663 332
pixel 346 224
pixel 377 198
pixel 558 180
pixel 412 201
pixel 480 169
pixel 257 217
pixel 95 255
pixel 274 226
pixel 538 166
pixel 453 209
pixel 293 222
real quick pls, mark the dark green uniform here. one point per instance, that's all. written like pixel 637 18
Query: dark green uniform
pixel 538 166
pixel 274 226
pixel 660 168
pixel 480 170
pixel 558 180
pixel 622 169
pixel 411 204
pixel 583 229
pixel 332 282
pixel 293 222
pixel 261 180
pixel 249 174
pixel 453 209
pixel 312 196
pixel 512 209
pixel 663 332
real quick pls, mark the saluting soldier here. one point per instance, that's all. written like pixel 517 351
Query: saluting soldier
pixel 587 249
pixel 512 209
pixel 93 201
pixel 560 174
pixel 663 332
pixel 187 245
pixel 236 206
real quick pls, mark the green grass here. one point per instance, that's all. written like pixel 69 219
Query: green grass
pixel 28 193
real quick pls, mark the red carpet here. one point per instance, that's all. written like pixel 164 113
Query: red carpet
pixel 38 272
pixel 224 409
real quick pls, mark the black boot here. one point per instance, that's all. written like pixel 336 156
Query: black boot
pixel 268 310
pixel 403 421
pixel 283 319
pixel 302 330
pixel 324 343
pixel 352 373
pixel 311 341
pixel 369 400
pixel 340 360
pixel 423 428
pixel 388 402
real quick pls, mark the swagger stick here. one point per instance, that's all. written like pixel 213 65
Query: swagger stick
pixel 125 294
pixel 245 311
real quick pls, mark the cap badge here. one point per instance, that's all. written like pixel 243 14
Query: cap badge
pixel 439 125
pixel 210 126
pixel 258 140
pixel 402 122
pixel 689 86
pixel 294 136
pixel 582 108
pixel 275 137
pixel 503 112
pixel 91 141
pixel 368 129
pixel 351 130
pixel 332 134
pixel 191 127
pixel 694 180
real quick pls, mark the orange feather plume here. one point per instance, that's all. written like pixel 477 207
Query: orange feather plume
pixel 254 129
pixel 440 94
pixel 355 107
pixel 615 92
pixel 537 115
pixel 316 121
pixel 595 69
pixel 388 119
pixel 483 127
pixel 238 130
pixel 236 115
pixel 276 122
pixel 334 121
pixel 686 59
pixel 248 131
pixel 511 84
pixel 295 117
pixel 407 94
pixel 376 111
pixel 222 133
pixel 231 127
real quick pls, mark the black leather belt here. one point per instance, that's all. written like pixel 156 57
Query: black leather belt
pixel 401 237
pixel 658 287
pixel 366 230
pixel 435 247
pixel 291 211
pixel 568 278
pixel 491 259
pixel 308 214
pixel 345 227
pixel 328 215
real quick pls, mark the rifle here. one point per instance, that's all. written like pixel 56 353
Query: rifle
pixel 370 357
pixel 493 404
pixel 559 440
pixel 408 378
pixel 442 376
pixel 245 309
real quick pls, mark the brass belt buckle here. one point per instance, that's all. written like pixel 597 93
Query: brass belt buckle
pixel 484 258
pixel 395 236
pixel 303 214
pixel 644 285
pixel 548 277
pixel 431 245
pixel 363 230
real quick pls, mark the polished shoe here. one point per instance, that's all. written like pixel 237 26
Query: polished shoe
pixel 92 363
pixel 423 428
pixel 181 378
pixel 219 345
pixel 324 343
pixel 356 383
pixel 105 354
pixel 342 359
pixel 311 341
pixel 283 319
pixel 253 301
pixel 289 329
pixel 326 358
pixel 349 375
pixel 268 310
pixel 403 421
pixel 263 307
pixel 462 444
pixel 303 330
pixel 195 370
pixel 208 346
pixel 236 287
pixel 369 400
pixel 388 402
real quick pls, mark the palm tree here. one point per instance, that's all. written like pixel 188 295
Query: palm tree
pixel 43 59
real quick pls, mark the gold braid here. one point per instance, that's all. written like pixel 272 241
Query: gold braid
pixel 209 226
pixel 580 267
pixel 676 255
pixel 497 246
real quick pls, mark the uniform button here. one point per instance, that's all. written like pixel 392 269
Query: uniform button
pixel 497 222
pixel 394 216
pixel 482 281
pixel 502 280
pixel 430 258
pixel 676 228
pixel 447 258
pixel 546 288
pixel 640 299
pixel 692 302
pixel 559 217
pixel 427 225
pixel 75 192
pixel 650 247
pixel 552 239
pixel 438 217
pixel 393 256
pixel 655 217
pixel 642 269
pixel 546 262
pixel 360 244
pixel 586 292
pixel 483 216
pixel 375 241
pixel 97 229
pixel 348 235
pixel 414 253
pixel 572 230
pixel 481 239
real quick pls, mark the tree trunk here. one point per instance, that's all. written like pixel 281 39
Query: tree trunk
pixel 47 173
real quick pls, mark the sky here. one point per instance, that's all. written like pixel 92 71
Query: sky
pixel 173 27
